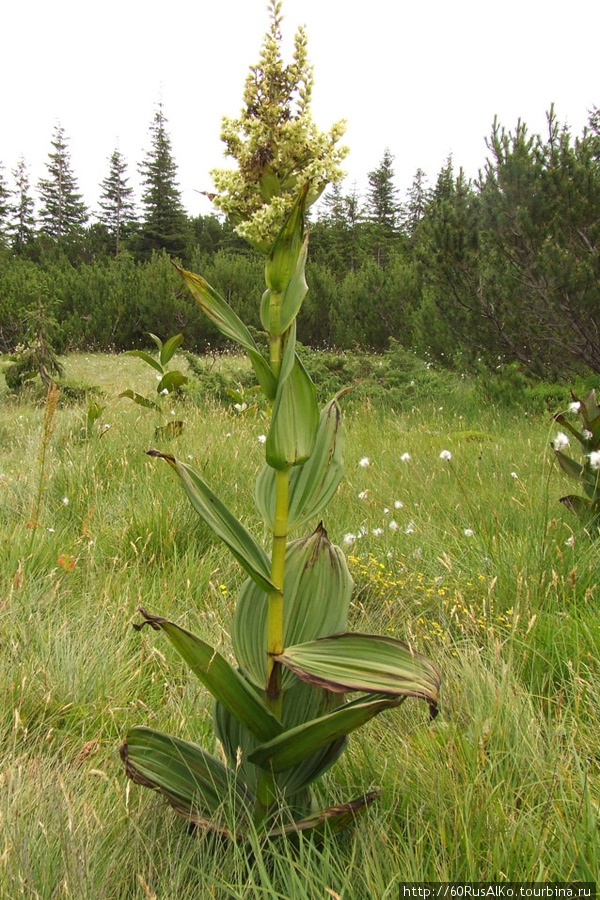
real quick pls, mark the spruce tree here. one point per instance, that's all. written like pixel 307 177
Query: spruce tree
pixel 22 222
pixel 416 202
pixel 116 202
pixel 383 208
pixel 165 224
pixel 4 206
pixel 62 212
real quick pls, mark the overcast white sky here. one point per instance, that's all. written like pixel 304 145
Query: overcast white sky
pixel 422 78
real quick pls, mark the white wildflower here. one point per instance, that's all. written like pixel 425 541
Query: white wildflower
pixel 398 504
pixel 262 439
pixel 364 462
pixel 393 525
pixel 570 541
pixel 377 532
pixel 363 495
pixel 468 532
pixel 595 460
pixel 575 406
pixel 65 501
pixel 409 528
pixel 513 475
pixel 405 457
pixel 587 435
pixel 240 407
pixel 445 454
pixel 165 391
pixel 349 539
pixel 560 441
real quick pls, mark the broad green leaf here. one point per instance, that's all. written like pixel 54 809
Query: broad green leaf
pixel 139 399
pixel 365 662
pixel 295 291
pixel 195 783
pixel 317 592
pixel 142 354
pixel 330 820
pixel 291 747
pixel 287 247
pixel 157 341
pixel 169 348
pixel 223 523
pixel 171 381
pixel 313 484
pixel 229 323
pixel 568 465
pixel 224 683
pixel 562 420
pixel 294 422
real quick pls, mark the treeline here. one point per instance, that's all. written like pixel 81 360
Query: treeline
pixel 502 270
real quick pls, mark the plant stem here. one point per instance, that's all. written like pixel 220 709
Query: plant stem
pixel 275 598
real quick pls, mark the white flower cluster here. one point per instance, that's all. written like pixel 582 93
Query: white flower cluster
pixel 276 144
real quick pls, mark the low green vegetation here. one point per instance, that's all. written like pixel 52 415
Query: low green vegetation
pixel 469 557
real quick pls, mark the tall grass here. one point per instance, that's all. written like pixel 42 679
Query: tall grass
pixel 482 568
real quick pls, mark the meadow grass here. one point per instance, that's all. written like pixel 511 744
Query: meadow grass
pixel 472 560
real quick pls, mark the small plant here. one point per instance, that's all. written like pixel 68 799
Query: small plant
pixel 169 380
pixel 587 473
pixel 280 713
pixel 35 356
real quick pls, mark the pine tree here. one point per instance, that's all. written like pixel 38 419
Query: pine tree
pixel 22 221
pixel 63 212
pixel 165 224
pixel 116 202
pixel 383 208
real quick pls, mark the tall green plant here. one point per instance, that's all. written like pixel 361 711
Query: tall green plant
pixel 281 713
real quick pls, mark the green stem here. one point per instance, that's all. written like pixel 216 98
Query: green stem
pixel 275 598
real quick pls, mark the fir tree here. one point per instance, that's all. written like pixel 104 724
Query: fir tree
pixel 165 224
pixel 116 202
pixel 62 212
pixel 22 222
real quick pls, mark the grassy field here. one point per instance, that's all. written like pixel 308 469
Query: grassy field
pixel 472 559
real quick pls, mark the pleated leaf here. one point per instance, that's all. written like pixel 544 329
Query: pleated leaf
pixel 293 746
pixel 229 323
pixel 317 592
pixel 226 685
pixel 365 662
pixel 313 484
pixel 223 523
pixel 303 702
pixel 295 420
pixel 194 782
